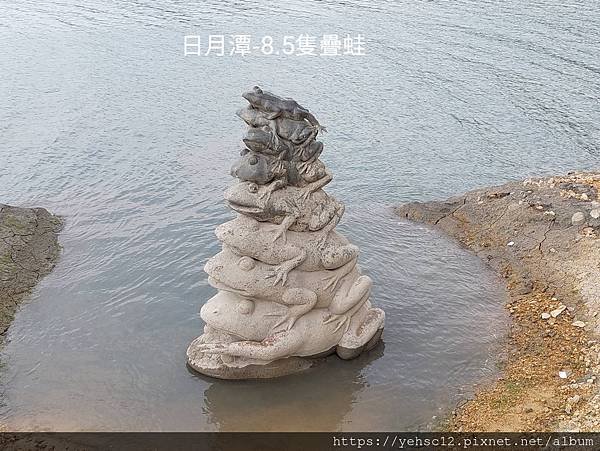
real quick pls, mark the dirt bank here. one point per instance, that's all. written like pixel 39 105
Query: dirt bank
pixel 28 251
pixel 543 236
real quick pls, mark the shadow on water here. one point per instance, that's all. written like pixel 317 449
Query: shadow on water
pixel 291 403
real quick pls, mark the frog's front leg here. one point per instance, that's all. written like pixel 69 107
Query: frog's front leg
pixel 298 301
pixel 282 228
pixel 266 193
pixel 332 224
pixel 281 271
pixel 316 185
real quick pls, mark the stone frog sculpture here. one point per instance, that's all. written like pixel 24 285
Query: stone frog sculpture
pixel 275 106
pixel 297 132
pixel 264 169
pixel 305 290
pixel 289 287
pixel 359 331
pixel 246 236
pixel 287 208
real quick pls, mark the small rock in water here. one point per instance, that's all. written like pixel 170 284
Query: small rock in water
pixel 512 243
pixel 563 374
pixel 595 213
pixel 578 219
pixel 578 324
pixel 595 204
pixel 554 313
pixel 545 315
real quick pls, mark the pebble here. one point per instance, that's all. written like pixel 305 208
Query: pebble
pixel 578 324
pixel 595 204
pixel 578 219
pixel 545 315
pixel 512 243
pixel 562 374
pixel 595 213
pixel 554 313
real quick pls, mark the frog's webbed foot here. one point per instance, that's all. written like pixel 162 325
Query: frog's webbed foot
pixel 286 322
pixel 265 196
pixel 339 321
pixel 280 273
pixel 280 233
pixel 305 194
pixel 322 240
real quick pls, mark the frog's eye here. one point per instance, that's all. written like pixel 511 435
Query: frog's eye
pixel 245 307
pixel 246 263
pixel 253 188
pixel 253 160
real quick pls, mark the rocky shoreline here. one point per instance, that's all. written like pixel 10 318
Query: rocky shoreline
pixel 29 250
pixel 543 236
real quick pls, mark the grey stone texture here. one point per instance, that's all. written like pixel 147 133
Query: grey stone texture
pixel 290 291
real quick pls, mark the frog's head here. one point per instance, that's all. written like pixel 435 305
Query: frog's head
pixel 253 96
pixel 257 139
pixel 254 167
pixel 248 114
pixel 230 272
pixel 244 197
pixel 225 310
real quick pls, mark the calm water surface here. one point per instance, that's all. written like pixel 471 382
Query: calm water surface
pixel 105 122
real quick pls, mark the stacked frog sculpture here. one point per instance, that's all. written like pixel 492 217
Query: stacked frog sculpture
pixel 289 287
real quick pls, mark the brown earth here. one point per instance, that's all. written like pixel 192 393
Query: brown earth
pixel 542 236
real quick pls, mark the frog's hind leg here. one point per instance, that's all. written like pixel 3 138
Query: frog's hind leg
pixel 363 333
pixel 332 224
pixel 276 346
pixel 359 291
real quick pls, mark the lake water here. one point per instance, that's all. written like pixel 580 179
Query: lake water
pixel 106 122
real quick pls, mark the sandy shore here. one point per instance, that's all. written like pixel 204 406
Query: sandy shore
pixel 543 236
pixel 29 250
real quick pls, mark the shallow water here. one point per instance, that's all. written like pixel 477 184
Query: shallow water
pixel 107 123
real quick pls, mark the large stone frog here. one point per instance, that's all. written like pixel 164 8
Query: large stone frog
pixel 264 169
pixel 297 132
pixel 337 290
pixel 275 106
pixel 288 208
pixel 245 236
pixel 251 337
pixel 264 140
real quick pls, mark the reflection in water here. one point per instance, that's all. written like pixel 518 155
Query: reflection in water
pixel 292 403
